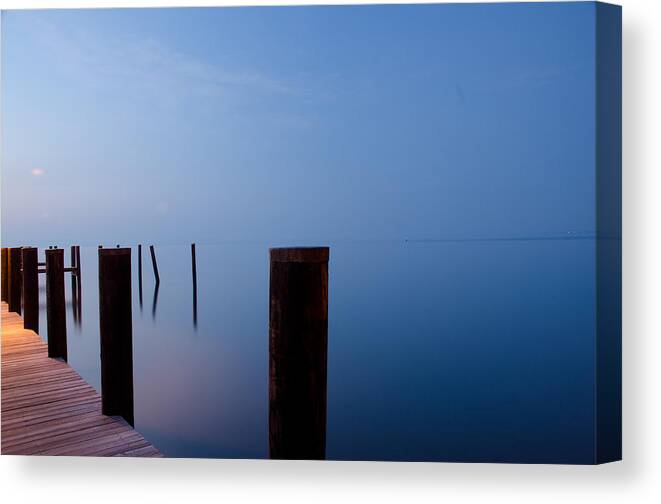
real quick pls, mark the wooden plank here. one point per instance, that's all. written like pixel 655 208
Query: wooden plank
pixel 48 409
pixel 69 439
pixel 34 414
pixel 54 432
pixel 51 416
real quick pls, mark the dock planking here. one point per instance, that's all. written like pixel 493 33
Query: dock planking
pixel 48 409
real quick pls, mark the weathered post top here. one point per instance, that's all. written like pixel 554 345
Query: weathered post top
pixel 114 251
pixel 299 254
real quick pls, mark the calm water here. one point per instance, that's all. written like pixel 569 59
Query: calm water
pixel 479 350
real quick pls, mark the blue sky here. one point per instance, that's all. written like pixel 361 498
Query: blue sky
pixel 302 124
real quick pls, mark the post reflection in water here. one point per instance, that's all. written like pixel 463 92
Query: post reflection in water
pixel 79 298
pixel 157 286
pixel 76 286
pixel 195 307
pixel 74 299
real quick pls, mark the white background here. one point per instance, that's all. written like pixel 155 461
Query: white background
pixel 636 479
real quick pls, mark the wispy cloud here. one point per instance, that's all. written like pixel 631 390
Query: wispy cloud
pixel 37 172
pixel 148 66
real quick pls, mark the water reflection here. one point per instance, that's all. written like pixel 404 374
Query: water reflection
pixel 75 300
pixel 435 351
pixel 157 286
pixel 76 286
pixel 195 306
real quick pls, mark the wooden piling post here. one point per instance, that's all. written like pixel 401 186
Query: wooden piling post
pixel 15 280
pixel 140 274
pixel 153 263
pixel 116 330
pixel 56 320
pixel 4 262
pixel 298 342
pixel 30 262
pixel 194 267
pixel 79 286
pixel 74 287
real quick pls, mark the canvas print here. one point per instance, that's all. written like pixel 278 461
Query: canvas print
pixel 359 232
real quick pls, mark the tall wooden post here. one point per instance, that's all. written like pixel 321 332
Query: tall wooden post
pixel 116 329
pixel 79 286
pixel 74 287
pixel 15 280
pixel 78 269
pixel 153 263
pixel 194 267
pixel 73 256
pixel 56 319
pixel 140 274
pixel 298 342
pixel 30 288
pixel 5 274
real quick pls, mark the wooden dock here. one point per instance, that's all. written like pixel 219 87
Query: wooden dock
pixel 48 409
